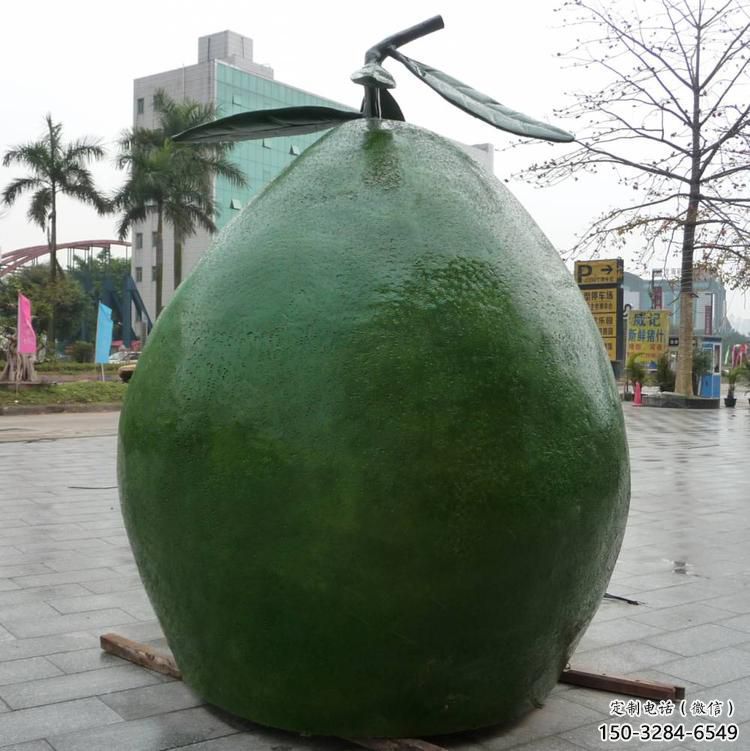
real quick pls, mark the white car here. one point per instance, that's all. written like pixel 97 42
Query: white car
pixel 123 356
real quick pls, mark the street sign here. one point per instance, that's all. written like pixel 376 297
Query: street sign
pixel 607 324
pixel 674 341
pixel 601 300
pixel 600 283
pixel 599 272
pixel 610 344
pixel 648 334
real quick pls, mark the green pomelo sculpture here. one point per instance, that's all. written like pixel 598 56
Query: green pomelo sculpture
pixel 372 462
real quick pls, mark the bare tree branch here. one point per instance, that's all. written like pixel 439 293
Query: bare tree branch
pixel 674 124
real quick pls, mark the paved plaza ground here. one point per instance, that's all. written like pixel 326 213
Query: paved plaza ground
pixel 67 575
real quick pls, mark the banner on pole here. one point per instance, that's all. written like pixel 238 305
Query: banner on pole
pixel 26 335
pixel 103 334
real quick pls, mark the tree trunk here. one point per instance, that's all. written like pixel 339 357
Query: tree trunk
pixel 53 268
pixel 159 257
pixel 684 379
pixel 684 382
pixel 177 258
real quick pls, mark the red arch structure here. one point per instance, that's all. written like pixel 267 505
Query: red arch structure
pixel 14 259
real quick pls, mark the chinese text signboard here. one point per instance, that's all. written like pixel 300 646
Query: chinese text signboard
pixel 648 334
pixel 600 283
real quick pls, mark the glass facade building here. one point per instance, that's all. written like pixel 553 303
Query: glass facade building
pixel 261 161
pixel 226 76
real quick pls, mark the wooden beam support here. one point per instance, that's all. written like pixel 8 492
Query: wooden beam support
pixel 140 654
pixel 627 686
pixel 148 657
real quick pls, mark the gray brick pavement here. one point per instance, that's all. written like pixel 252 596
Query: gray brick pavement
pixel 65 717
pixel 34 693
pixel 66 575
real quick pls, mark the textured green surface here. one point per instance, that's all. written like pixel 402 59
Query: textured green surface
pixel 372 462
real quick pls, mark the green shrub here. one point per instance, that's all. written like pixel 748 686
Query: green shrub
pixel 68 367
pixel 82 351
pixel 665 376
pixel 635 370
pixel 732 377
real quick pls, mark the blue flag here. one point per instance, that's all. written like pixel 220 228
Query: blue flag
pixel 103 334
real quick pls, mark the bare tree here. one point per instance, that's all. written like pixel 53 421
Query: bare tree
pixel 673 124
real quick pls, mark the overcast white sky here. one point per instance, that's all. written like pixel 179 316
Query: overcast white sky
pixel 77 59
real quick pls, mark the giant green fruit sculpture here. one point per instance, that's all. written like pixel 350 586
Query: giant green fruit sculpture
pixel 372 461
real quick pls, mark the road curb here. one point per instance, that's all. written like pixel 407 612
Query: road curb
pixel 46 409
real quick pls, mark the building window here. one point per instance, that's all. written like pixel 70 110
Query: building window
pixel 139 273
pixel 139 105
pixel 154 238
pixel 138 240
pixel 266 143
pixel 153 273
pixel 235 203
pixel 294 150
pixel 237 99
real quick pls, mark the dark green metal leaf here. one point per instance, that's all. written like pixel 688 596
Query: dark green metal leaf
pixel 480 105
pixel 389 108
pixel 385 106
pixel 284 121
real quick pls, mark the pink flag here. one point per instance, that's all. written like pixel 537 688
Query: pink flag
pixel 26 335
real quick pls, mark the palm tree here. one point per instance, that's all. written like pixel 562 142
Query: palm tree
pixel 56 168
pixel 172 181
pixel 158 184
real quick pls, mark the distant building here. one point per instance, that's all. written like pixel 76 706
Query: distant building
pixel 226 76
pixel 710 305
